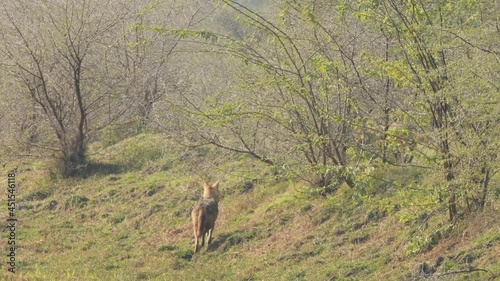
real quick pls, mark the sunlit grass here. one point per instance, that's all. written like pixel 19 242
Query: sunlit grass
pixel 133 223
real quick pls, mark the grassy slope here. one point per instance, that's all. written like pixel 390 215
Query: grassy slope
pixel 128 219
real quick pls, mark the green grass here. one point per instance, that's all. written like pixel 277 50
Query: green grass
pixel 127 217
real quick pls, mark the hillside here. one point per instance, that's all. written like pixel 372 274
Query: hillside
pixel 126 217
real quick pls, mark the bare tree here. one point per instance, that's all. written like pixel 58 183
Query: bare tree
pixel 55 50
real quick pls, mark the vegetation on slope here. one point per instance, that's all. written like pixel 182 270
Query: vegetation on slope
pixel 126 217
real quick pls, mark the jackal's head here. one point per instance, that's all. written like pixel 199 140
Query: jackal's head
pixel 211 191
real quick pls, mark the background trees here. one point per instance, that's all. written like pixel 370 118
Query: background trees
pixel 56 53
pixel 433 59
pixel 79 66
pixel 347 85
pixel 322 90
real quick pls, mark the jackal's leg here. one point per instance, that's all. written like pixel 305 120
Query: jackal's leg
pixel 210 235
pixel 203 239
pixel 196 245
pixel 195 218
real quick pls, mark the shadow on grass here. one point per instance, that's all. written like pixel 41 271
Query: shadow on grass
pixel 95 169
pixel 229 240
pixel 217 243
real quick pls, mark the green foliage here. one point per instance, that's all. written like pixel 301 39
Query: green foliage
pixel 167 248
pixel 424 242
pixel 184 254
pixel 117 219
pixel 77 201
pixel 375 119
pixel 116 132
pixel 148 8
pixel 283 223
pixel 488 240
pixel 138 152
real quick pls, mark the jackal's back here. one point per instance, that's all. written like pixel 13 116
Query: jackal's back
pixel 205 214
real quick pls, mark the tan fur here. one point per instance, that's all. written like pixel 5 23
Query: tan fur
pixel 205 214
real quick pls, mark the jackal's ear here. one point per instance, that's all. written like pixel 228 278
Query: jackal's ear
pixel 206 185
pixel 215 185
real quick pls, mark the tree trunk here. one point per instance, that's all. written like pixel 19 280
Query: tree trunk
pixel 485 182
pixel 449 176
pixel 74 151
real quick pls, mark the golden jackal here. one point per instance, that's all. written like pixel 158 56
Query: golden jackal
pixel 205 214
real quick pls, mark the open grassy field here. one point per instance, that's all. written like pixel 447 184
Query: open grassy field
pixel 127 217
